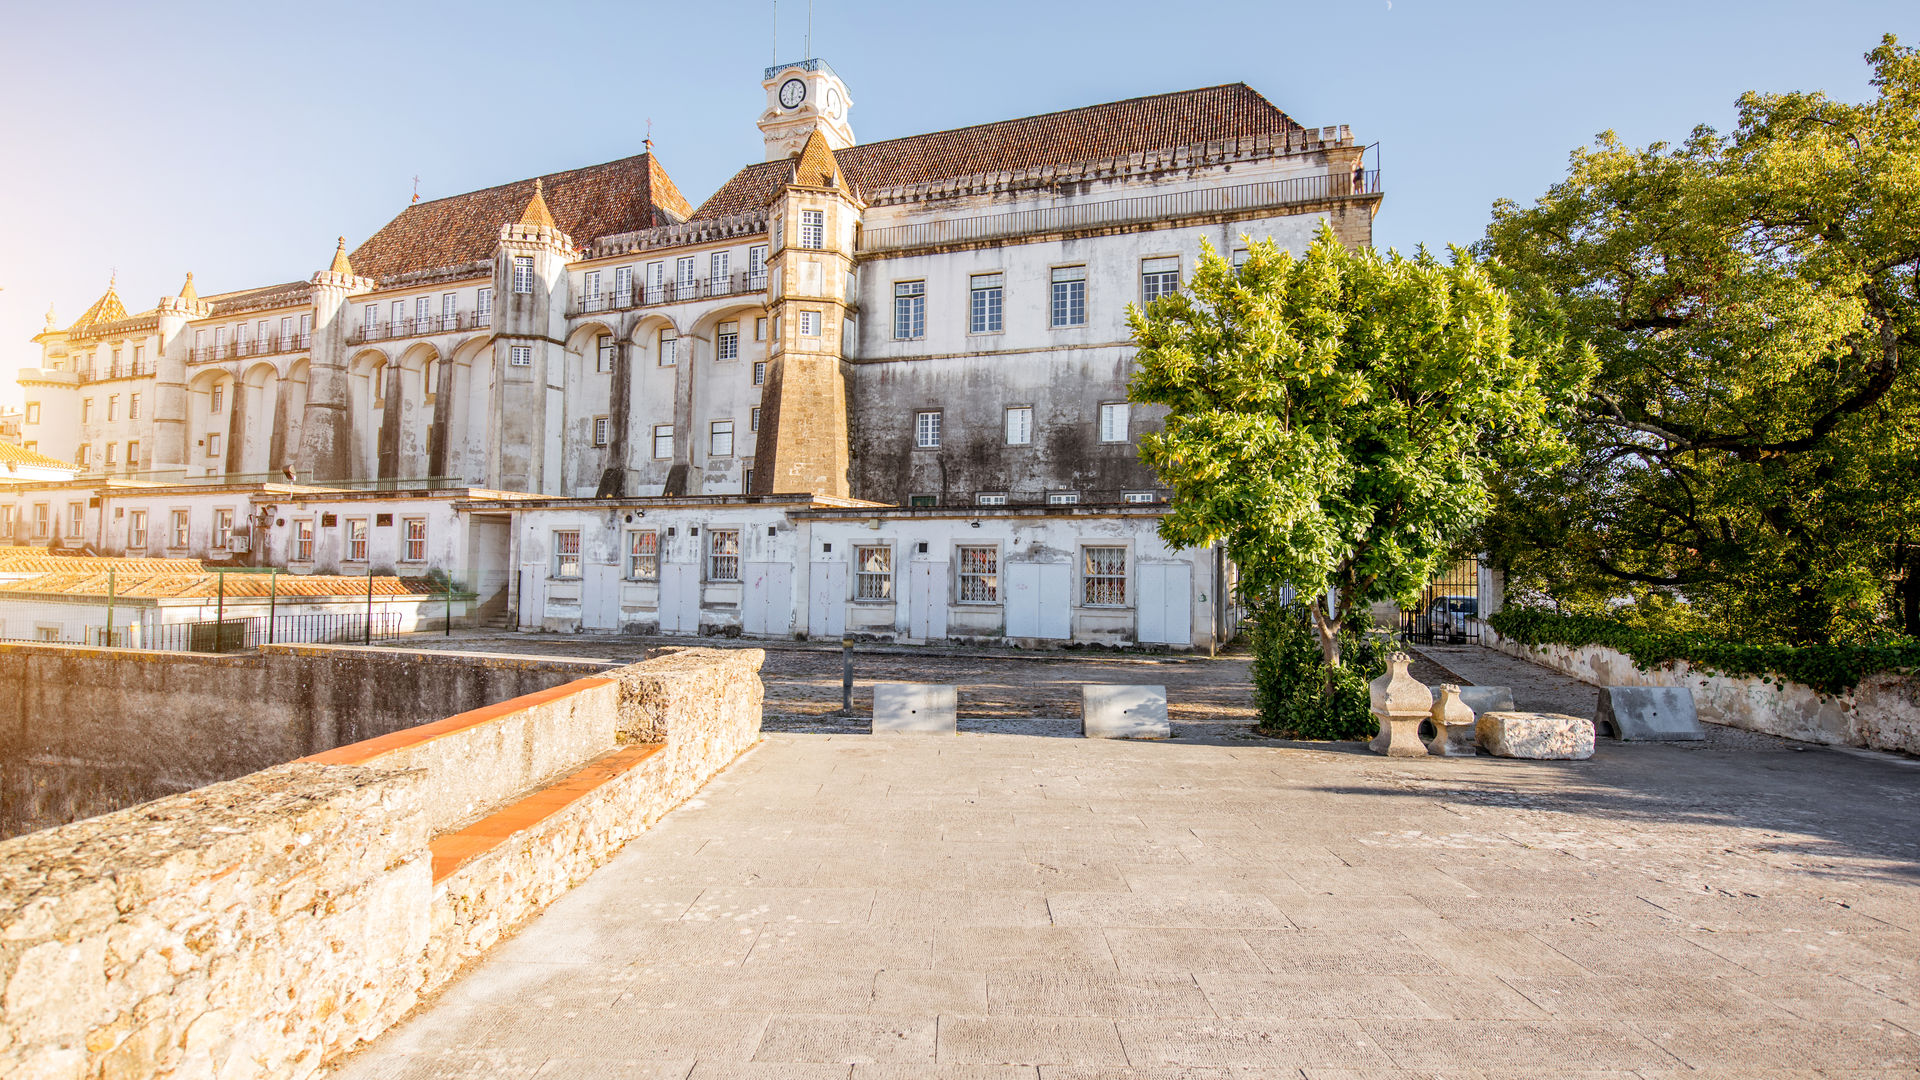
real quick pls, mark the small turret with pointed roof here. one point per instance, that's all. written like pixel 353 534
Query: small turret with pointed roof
pixel 104 310
pixel 340 273
pixel 536 213
pixel 341 264
pixel 187 291
pixel 817 167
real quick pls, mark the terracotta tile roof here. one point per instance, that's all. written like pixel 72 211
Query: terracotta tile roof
pixel 11 454
pixel 207 585
pixel 1117 128
pixel 37 561
pixel 104 310
pixel 617 197
pixel 288 294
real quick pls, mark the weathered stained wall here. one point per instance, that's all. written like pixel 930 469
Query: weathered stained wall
pixel 87 730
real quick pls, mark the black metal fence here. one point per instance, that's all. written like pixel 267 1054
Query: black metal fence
pixel 1450 608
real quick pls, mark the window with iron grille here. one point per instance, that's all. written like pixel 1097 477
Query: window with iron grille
pixel 986 304
pixel 1019 425
pixel 663 441
pixel 449 311
pixel 286 335
pixel 1113 421
pixel 518 356
pixel 399 316
pixel 1069 296
pixel 909 310
pixel 523 273
pixel 566 553
pixel 416 539
pixel 979 569
pixel 1159 277
pixel 602 426
pixel 873 572
pixel 302 535
pixel 643 554
pixel 720 439
pixel 1105 580
pixel 726 343
pixel 357 540
pixel 603 354
pixel 813 228
pixel 723 554
pixel 926 430
pixel 810 324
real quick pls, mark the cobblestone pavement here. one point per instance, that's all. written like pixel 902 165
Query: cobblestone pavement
pixel 1005 905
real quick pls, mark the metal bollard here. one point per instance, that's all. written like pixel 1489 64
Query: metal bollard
pixel 846 676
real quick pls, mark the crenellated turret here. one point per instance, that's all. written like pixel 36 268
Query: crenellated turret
pixel 169 442
pixel 326 428
pixel 531 289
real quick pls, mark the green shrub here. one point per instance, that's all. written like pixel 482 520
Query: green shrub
pixel 1830 669
pixel 1289 682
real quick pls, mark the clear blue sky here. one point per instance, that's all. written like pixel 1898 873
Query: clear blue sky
pixel 238 139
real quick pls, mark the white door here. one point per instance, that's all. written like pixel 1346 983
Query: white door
pixel 1165 604
pixel 679 598
pixel 1039 600
pixel 600 602
pixel 827 600
pixel 1056 601
pixel 767 606
pixel 533 595
pixel 927 600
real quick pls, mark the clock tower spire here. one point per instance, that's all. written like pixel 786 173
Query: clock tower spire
pixel 801 98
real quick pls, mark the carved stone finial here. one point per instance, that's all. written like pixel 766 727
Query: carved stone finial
pixel 1453 725
pixel 51 325
pixel 1399 702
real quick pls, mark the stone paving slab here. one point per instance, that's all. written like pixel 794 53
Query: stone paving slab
pixel 1003 905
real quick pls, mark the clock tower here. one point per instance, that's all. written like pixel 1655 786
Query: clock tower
pixel 801 98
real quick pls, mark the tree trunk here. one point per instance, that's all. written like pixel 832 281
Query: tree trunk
pixel 1328 629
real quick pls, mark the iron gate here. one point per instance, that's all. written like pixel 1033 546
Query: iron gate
pixel 1450 608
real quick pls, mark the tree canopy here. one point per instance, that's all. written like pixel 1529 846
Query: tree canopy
pixel 1749 452
pixel 1334 418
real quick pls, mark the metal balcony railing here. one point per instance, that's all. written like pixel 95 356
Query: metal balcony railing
pixel 270 345
pixel 1172 206
pixel 427 327
pixel 126 370
pixel 671 292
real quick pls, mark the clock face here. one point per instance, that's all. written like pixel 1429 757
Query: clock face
pixel 792 93
pixel 833 103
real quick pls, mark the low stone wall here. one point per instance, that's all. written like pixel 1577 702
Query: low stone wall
pixel 87 730
pixel 264 925
pixel 1882 713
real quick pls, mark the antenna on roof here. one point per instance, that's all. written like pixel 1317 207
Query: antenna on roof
pixel 809 30
pixel 416 190
pixel 776 31
pixel 648 141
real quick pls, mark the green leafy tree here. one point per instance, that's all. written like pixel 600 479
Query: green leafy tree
pixel 1748 459
pixel 1334 418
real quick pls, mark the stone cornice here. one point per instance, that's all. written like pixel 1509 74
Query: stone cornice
pixel 351 283
pixel 681 234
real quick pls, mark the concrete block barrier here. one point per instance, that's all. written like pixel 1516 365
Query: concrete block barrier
pixel 1111 711
pixel 914 709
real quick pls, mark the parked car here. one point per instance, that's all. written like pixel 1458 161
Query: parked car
pixel 1447 616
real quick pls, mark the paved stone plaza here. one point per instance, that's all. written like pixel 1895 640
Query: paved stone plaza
pixel 1015 904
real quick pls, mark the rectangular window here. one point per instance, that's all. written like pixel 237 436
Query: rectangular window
pixel 42 520
pixel 369 320
pixel 986 307
pixel 909 310
pixel 302 538
pixel 669 348
pixel 76 519
pixel 1159 277
pixel 523 273
pixel 113 454
pixel 760 329
pixel 656 282
pixel 86 411
pixel 873 572
pixel 1063 498
pixel 683 281
pixel 643 555
pixel 623 285
pixel 180 532
pixel 449 311
pixel 1113 421
pixel 1240 255
pixel 662 441
pixel 306 326
pixel 222 529
pixel 813 228
pixel 86 455
pixel 603 356
pixel 1138 496
pixel 991 498
pixel 6 521
pixel 591 289
pixel 979 581
pixel 423 314
pixel 602 426
pixel 483 301
pixel 137 530
pixel 520 355
pixel 113 409
pixel 1069 296
pixel 809 324
pixel 33 412
pixel 214 399
pixel 753 418
pixel 759 372
pixel 1019 425
pixel 746 485
pixel 220 339
pixel 720 439
pixel 139 357
pixel 723 554
pixel 926 430
pixel 239 344
pixel 726 344
pixel 400 316
pixel 718 266
pixel 213 444
pixel 1105 583
pixel 415 530
pixel 757 266
pixel 357 540
pixel 286 336
pixel 566 553
pixel 133 406
pixel 133 452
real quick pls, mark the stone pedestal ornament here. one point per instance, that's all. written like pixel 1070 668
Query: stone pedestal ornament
pixel 1541 736
pixel 1399 702
pixel 1453 725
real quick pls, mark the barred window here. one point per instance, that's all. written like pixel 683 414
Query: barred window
pixel 726 345
pixel 416 540
pixel 523 273
pixel 1105 583
pixel 987 300
pixel 566 553
pixel 1159 277
pixel 874 572
pixel 979 575
pixel 813 228
pixel 909 310
pixel 357 540
pixel 926 430
pixel 1070 296
pixel 723 554
pixel 643 555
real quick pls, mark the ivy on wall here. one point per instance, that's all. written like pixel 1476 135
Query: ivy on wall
pixel 1829 669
